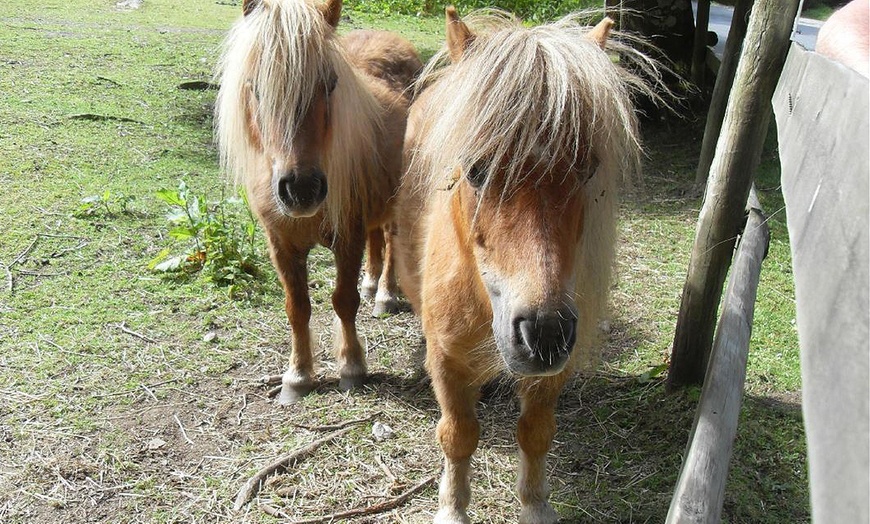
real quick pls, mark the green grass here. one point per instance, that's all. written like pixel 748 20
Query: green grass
pixel 819 12
pixel 100 356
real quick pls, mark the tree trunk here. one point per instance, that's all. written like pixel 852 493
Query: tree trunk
pixel 737 156
pixel 699 50
pixel 724 80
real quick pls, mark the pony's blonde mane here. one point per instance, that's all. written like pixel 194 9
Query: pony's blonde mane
pixel 539 96
pixel 283 51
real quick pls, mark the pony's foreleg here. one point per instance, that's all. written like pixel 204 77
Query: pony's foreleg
pixel 345 302
pixel 292 269
pixel 458 432
pixel 535 431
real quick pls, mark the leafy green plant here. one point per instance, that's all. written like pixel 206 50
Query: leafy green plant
pixel 218 239
pixel 104 203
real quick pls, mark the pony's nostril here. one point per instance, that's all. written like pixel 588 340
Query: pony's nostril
pixel 528 335
pixel 301 190
pixel 285 188
pixel 545 334
pixel 322 187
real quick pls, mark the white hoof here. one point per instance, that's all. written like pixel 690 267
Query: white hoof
pixel 352 376
pixel 390 306
pixel 349 382
pixel 542 513
pixel 369 287
pixel 294 386
pixel 451 516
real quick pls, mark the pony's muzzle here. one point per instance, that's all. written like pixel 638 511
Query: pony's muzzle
pixel 543 341
pixel 300 192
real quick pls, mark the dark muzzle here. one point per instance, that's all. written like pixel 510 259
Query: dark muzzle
pixel 301 193
pixel 542 341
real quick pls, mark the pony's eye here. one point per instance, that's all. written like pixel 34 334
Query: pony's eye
pixel 331 83
pixel 476 175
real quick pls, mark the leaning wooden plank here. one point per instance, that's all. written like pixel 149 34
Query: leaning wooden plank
pixel 700 488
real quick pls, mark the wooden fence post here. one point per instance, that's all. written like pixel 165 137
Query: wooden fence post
pixel 719 99
pixel 738 153
pixel 700 489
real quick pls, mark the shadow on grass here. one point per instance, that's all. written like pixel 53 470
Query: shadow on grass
pixel 619 447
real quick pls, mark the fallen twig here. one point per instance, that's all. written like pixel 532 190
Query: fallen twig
pixel 271 380
pixel 181 427
pixel 54 235
pixel 41 274
pixel 253 485
pixel 17 260
pixel 273 392
pixel 150 393
pixel 244 405
pixel 272 510
pixel 380 507
pixel 150 387
pixel 140 336
pixel 26 251
pixel 334 427
pixel 61 252
pixel 385 469
pixel 108 80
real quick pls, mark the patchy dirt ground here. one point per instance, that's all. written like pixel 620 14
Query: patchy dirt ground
pixel 178 450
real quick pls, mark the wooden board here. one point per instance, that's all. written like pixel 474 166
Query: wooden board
pixel 821 113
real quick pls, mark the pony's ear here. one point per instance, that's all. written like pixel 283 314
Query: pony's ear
pixel 248 6
pixel 600 32
pixel 459 37
pixel 331 11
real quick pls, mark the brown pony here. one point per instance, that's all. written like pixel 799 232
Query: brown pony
pixel 514 154
pixel 312 124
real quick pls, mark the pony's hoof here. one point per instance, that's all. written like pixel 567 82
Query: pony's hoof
pixel 290 395
pixel 389 306
pixel 542 513
pixel 369 288
pixel 293 388
pixel 451 516
pixel 349 382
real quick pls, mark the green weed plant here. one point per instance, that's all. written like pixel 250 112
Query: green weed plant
pixel 107 203
pixel 218 238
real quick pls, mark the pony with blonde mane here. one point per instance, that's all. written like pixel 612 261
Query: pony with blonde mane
pixel 514 154
pixel 312 125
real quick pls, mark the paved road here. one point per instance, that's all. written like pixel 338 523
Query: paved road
pixel 720 22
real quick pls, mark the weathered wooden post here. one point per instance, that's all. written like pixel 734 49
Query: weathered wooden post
pixel 700 489
pixel 721 90
pixel 738 153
